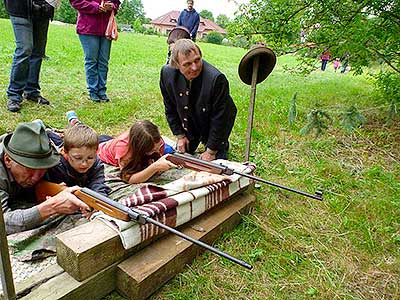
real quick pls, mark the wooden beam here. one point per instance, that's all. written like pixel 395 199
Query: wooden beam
pixel 54 284
pixel 146 271
pixel 85 250
pixel 64 287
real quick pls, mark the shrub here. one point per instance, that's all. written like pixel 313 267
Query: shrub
pixel 214 38
pixel 226 42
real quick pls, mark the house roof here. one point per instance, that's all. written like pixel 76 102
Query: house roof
pixel 171 18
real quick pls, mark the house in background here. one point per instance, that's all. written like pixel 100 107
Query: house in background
pixel 168 21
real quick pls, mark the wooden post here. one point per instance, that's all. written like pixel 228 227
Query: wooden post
pixel 251 107
pixel 7 280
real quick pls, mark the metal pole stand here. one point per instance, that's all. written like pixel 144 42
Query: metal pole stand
pixel 254 68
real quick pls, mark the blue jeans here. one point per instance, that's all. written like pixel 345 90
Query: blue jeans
pixel 97 54
pixel 30 38
pixel 323 65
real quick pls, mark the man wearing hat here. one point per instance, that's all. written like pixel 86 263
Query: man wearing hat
pixel 197 102
pixel 25 156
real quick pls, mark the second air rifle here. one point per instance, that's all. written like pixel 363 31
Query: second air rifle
pixel 196 164
pixel 124 213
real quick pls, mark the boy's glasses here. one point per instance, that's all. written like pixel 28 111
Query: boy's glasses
pixel 83 160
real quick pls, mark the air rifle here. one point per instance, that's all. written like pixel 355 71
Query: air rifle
pixel 122 212
pixel 196 164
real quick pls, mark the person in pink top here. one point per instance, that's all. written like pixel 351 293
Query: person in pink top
pixel 93 17
pixel 325 57
pixel 137 152
pixel 336 64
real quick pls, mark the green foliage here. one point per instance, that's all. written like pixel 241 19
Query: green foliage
pixel 206 14
pixel 292 110
pixel 392 113
pixel 318 121
pixel 214 37
pixel 151 31
pixel 389 85
pixel 129 11
pixel 352 119
pixel 223 21
pixel 138 26
pixel 240 41
pixel 66 13
pixel 226 42
pixel 367 30
pixel 3 12
pixel 346 247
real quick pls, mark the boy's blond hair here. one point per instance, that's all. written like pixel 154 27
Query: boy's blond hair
pixel 80 135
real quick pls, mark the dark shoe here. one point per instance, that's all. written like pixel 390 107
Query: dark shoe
pixel 38 99
pixel 94 97
pixel 13 106
pixel 104 98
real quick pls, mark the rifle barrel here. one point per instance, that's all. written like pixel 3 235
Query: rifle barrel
pixel 200 243
pixel 142 219
pixel 317 196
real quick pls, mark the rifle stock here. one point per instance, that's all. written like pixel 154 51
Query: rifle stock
pixel 196 164
pixel 122 212
pixel 45 188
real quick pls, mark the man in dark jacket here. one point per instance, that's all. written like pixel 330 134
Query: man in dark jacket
pixel 190 19
pixel 197 103
pixel 30 22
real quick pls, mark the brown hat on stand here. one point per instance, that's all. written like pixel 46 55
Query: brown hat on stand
pixel 179 32
pixel 267 61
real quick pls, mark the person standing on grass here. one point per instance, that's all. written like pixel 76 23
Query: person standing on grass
pixel 197 102
pixel 30 22
pixel 325 57
pixel 336 64
pixel 93 16
pixel 190 19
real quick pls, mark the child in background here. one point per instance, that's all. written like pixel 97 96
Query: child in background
pixel 79 164
pixel 336 64
pixel 137 152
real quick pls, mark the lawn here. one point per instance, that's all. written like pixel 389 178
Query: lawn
pixel 346 247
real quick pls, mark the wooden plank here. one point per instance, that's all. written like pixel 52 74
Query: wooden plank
pixel 146 271
pixel 64 287
pixel 85 250
pixel 25 287
pixel 54 284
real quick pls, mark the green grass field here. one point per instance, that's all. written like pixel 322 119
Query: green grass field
pixel 346 247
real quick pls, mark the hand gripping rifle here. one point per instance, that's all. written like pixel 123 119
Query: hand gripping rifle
pixel 122 212
pixel 202 165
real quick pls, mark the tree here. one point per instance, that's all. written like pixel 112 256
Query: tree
pixel 206 14
pixel 138 26
pixel 368 30
pixel 129 11
pixel 3 12
pixel 223 21
pixel 66 13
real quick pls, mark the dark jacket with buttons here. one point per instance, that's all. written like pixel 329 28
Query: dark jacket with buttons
pixel 202 109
